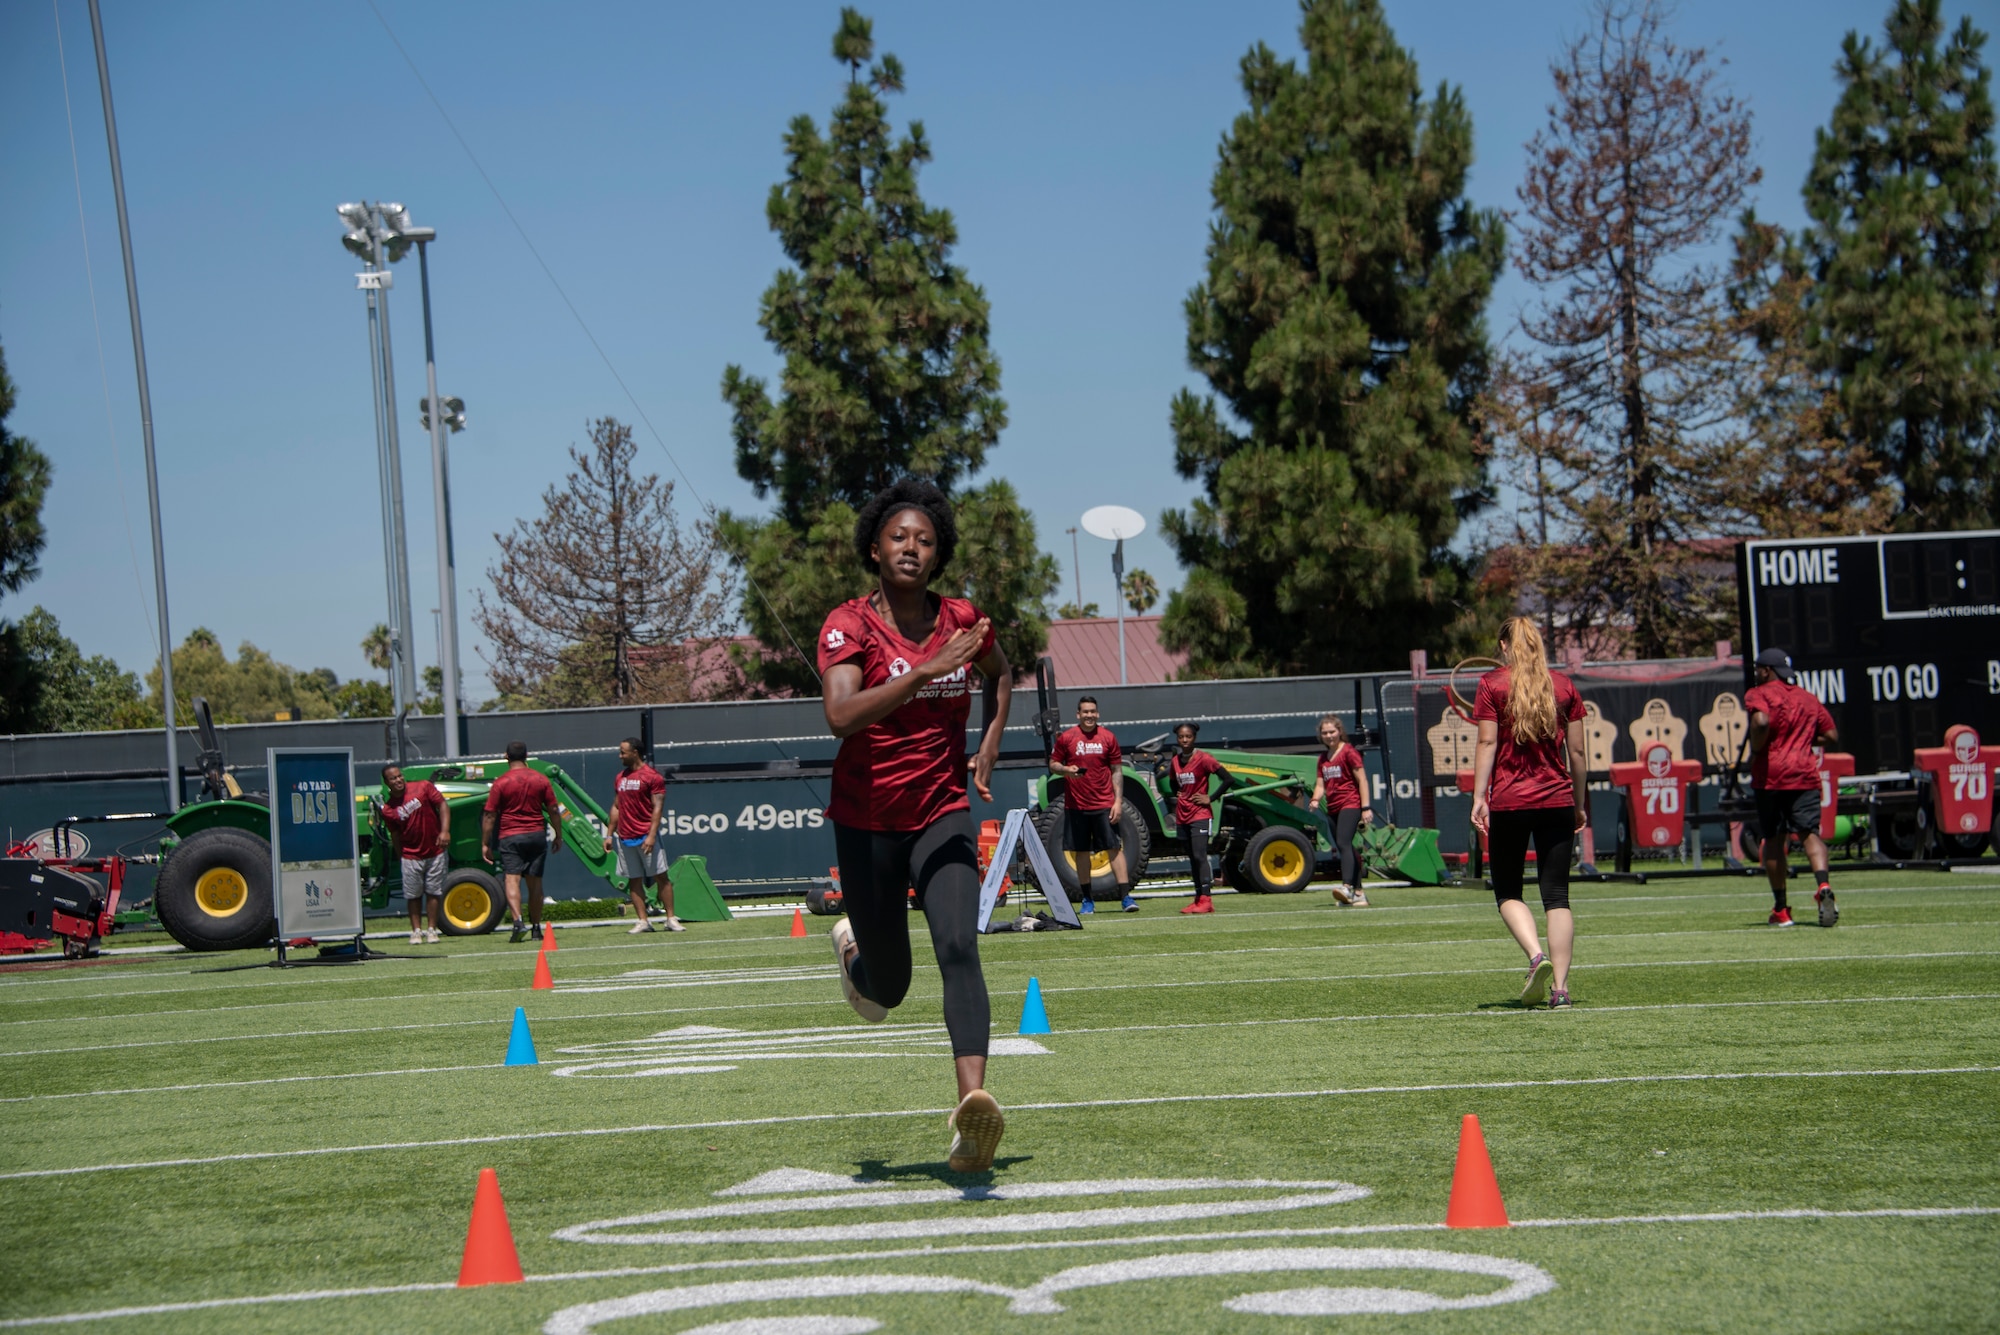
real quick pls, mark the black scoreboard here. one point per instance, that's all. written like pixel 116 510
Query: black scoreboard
pixel 1898 636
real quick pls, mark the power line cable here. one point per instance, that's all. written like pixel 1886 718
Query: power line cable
pixel 708 508
pixel 103 367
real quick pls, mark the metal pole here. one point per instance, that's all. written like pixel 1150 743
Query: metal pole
pixel 382 470
pixel 145 415
pixel 1118 601
pixel 441 492
pixel 403 632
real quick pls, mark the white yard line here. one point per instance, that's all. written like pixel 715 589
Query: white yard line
pixel 1051 989
pixel 848 1033
pixel 990 1248
pixel 804 1118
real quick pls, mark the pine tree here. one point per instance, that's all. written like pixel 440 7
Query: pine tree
pixel 887 373
pixel 1643 159
pixel 1342 323
pixel 1904 197
pixel 24 483
pixel 602 599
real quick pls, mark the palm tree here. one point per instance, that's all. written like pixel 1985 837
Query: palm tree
pixel 1141 592
pixel 375 648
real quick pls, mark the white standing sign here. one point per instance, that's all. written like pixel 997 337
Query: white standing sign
pixel 315 845
pixel 1038 859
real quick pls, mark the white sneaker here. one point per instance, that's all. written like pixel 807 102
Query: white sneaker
pixel 1341 897
pixel 431 935
pixel 976 1126
pixel 674 924
pixel 844 951
pixel 416 937
pixel 641 928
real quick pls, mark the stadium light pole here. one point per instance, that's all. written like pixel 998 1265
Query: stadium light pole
pixel 145 414
pixel 437 415
pixel 1115 523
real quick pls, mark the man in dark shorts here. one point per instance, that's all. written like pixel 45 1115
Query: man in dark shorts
pixel 419 821
pixel 1786 723
pixel 514 810
pixel 1089 756
pixel 641 791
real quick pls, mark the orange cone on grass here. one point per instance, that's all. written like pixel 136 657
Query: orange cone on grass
pixel 548 936
pixel 490 1257
pixel 544 980
pixel 1475 1192
pixel 798 923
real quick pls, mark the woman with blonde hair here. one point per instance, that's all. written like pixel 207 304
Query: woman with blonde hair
pixel 1527 785
pixel 1339 788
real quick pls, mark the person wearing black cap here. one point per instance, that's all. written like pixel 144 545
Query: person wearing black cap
pixel 1786 723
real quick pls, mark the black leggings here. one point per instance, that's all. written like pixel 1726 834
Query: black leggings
pixel 1554 831
pixel 1197 842
pixel 1345 821
pixel 877 869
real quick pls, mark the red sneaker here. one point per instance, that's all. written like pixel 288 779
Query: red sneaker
pixel 1202 904
pixel 1780 918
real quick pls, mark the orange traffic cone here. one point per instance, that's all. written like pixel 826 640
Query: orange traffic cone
pixel 798 923
pixel 548 936
pixel 1475 1193
pixel 490 1257
pixel 544 980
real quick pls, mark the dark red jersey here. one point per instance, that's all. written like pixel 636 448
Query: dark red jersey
pixel 1797 717
pixel 636 788
pixel 1341 773
pixel 519 796
pixel 1535 775
pixel 905 771
pixel 1097 755
pixel 415 820
pixel 1190 779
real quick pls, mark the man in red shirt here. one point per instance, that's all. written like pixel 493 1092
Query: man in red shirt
pixel 1089 756
pixel 419 821
pixel 514 809
pixel 641 794
pixel 1786 723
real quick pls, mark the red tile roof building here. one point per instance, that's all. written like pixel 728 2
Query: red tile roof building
pixel 1086 652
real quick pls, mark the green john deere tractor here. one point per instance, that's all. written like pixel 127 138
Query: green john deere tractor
pixel 214 887
pixel 1264 837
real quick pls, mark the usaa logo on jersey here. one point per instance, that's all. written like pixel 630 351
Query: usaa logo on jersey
pixel 897 666
pixel 835 637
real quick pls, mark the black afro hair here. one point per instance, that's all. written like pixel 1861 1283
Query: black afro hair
pixel 912 493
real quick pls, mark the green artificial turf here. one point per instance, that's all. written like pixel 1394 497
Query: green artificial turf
pixel 1867 1061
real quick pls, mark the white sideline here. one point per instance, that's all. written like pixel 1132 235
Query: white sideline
pixel 1492 1013
pixel 1212 927
pixel 802 1118
pixel 988 1248
pixel 1002 992
pixel 613 983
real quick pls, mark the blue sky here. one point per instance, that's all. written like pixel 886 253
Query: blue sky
pixel 636 143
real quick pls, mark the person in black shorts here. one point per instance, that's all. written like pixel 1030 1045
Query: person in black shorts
pixel 1786 723
pixel 1090 759
pixel 519 808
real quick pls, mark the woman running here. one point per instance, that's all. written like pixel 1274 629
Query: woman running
pixel 1342 781
pixel 896 692
pixel 1188 773
pixel 1527 784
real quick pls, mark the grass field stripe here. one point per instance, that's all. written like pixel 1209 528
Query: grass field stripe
pixel 238 1084
pixel 998 992
pixel 776 945
pixel 848 1033
pixel 988 1248
pixel 795 1119
pixel 819 972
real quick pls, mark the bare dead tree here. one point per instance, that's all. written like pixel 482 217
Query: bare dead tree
pixel 1643 158
pixel 604 599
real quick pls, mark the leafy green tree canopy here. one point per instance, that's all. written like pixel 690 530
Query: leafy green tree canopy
pixel 1341 324
pixel 887 372
pixel 1904 197
pixel 78 694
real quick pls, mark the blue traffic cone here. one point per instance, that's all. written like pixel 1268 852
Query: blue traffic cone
pixel 521 1046
pixel 1034 1015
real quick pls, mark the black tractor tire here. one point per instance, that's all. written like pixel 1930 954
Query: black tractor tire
pixel 214 891
pixel 473 904
pixel 1278 860
pixel 1132 835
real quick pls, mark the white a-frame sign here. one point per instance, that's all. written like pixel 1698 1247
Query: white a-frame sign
pixel 1018 831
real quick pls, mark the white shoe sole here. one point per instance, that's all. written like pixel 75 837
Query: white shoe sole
pixel 1829 912
pixel 843 947
pixel 976 1126
pixel 1536 989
